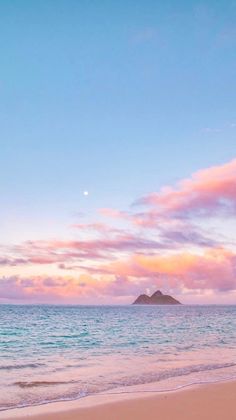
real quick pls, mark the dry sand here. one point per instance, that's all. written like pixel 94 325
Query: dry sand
pixel 205 402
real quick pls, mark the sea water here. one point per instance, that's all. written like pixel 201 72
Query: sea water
pixel 53 353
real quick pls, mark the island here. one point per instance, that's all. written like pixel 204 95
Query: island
pixel 156 299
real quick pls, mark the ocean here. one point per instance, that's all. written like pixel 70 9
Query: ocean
pixel 53 353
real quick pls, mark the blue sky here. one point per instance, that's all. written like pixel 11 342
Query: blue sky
pixel 117 98
pixel 114 97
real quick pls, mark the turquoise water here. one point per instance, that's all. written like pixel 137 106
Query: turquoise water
pixel 50 353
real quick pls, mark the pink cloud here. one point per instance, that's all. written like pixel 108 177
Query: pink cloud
pixel 60 252
pixel 153 252
pixel 100 228
pixel 208 192
pixel 113 213
pixel 83 289
pixel 214 270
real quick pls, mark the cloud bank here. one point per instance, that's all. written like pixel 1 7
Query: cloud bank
pixel 166 244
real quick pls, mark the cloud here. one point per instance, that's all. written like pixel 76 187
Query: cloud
pixel 83 289
pixel 36 288
pixel 215 269
pixel 108 244
pixel 122 280
pixel 168 223
pixel 180 233
pixel 209 192
pixel 60 252
pixel 163 245
pixel 113 213
pixel 100 228
pixel 5 261
pixel 211 130
pixel 111 244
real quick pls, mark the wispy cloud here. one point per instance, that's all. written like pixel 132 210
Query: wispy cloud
pixel 208 192
pixel 5 261
pixel 211 130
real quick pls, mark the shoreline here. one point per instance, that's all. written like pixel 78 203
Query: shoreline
pixel 194 401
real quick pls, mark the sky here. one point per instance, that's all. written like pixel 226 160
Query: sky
pixel 133 103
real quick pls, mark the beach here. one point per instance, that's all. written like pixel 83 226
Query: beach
pixel 95 351
pixel 202 402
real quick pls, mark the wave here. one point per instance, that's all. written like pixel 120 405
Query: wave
pixel 85 390
pixel 22 366
pixel 175 388
pixel 150 377
pixel 132 380
pixel 126 391
pixel 34 384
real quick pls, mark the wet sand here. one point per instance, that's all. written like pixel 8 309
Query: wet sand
pixel 204 402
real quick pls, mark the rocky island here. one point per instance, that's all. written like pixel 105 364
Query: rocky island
pixel 156 299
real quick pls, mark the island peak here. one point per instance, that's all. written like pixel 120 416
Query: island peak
pixel 157 298
pixel 157 293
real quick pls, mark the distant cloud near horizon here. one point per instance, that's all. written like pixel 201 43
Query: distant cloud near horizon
pixel 215 271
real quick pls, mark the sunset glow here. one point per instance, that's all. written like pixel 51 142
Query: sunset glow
pixel 161 241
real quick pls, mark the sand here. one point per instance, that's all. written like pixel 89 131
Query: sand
pixel 205 402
